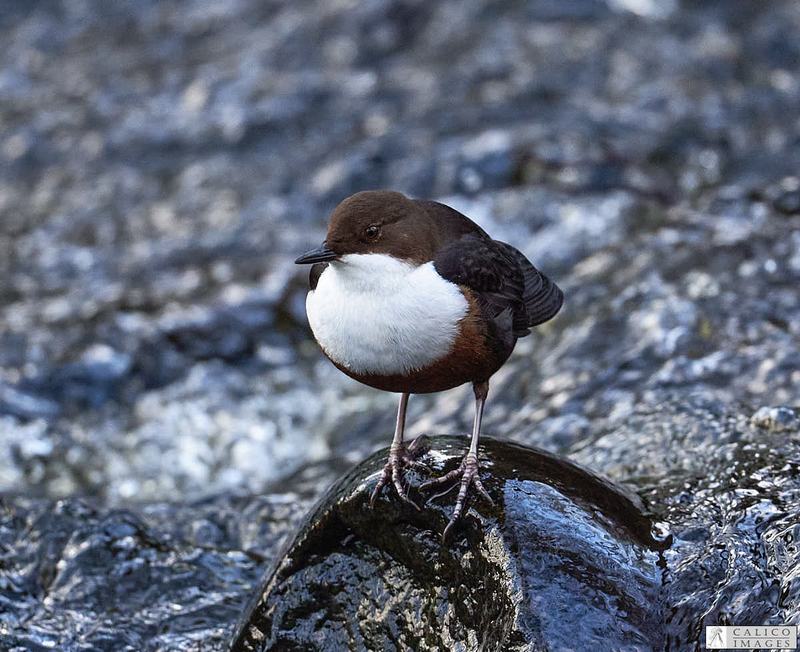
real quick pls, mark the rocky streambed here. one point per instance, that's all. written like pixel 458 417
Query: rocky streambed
pixel 166 423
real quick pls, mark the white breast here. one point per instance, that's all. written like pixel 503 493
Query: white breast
pixel 373 313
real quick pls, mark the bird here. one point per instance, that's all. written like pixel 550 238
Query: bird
pixel 411 296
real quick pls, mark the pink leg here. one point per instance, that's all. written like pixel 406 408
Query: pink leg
pixel 469 469
pixel 399 458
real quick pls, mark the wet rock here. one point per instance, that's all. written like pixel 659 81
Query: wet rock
pixel 788 202
pixel 776 419
pixel 376 579
pixel 26 405
pixel 78 576
pixel 96 377
pixel 485 162
pixel 230 335
pixel 732 509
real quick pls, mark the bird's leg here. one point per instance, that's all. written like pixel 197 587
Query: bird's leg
pixel 469 468
pixel 399 458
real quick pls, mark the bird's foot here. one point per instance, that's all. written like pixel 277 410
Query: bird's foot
pixel 468 471
pixel 400 458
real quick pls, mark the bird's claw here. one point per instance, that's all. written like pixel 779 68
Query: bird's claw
pixel 468 471
pixel 400 457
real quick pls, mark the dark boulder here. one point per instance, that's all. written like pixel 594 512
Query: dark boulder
pixel 563 560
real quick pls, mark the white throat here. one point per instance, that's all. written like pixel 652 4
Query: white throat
pixel 374 313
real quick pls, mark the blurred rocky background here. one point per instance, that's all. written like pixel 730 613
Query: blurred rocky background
pixel 166 419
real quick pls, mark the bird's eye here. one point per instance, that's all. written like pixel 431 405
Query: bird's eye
pixel 372 231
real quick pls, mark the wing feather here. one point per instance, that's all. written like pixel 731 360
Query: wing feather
pixel 502 279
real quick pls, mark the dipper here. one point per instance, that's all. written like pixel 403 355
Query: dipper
pixel 411 296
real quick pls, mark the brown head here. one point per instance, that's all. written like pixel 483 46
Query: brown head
pixel 378 221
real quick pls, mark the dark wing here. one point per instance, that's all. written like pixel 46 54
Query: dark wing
pixel 316 270
pixel 542 298
pixel 508 288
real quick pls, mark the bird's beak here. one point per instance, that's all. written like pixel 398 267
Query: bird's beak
pixel 321 254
